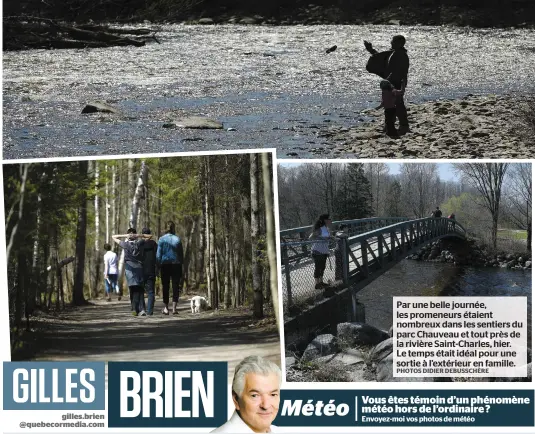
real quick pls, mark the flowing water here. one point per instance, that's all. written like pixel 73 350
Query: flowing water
pixel 275 86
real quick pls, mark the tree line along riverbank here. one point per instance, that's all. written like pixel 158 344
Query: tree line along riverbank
pixel 476 13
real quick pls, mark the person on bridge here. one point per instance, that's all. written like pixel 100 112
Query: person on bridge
pixel 320 249
pixel 133 247
pixel 394 67
pixel 110 271
pixel 169 256
pixel 451 216
pixel 149 269
pixel 437 213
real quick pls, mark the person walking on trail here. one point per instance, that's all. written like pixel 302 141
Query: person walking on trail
pixel 169 257
pixel 393 65
pixel 133 246
pixel 110 271
pixel 320 249
pixel 437 213
pixel 149 270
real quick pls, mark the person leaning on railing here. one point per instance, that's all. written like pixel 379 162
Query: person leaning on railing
pixel 320 249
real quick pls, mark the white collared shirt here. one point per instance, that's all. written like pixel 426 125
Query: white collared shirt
pixel 236 425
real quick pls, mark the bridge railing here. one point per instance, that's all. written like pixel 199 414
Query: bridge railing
pixel 354 258
pixel 299 247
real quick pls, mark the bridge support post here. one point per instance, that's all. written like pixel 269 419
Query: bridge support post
pixel 402 233
pixel 364 254
pixel 343 244
pixel 286 263
pixel 304 247
pixel 380 250
pixel 393 250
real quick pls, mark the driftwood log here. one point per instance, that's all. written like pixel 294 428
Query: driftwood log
pixel 22 32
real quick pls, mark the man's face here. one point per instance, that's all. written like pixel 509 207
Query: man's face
pixel 259 402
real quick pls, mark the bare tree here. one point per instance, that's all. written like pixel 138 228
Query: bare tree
pixel 78 290
pixel 270 234
pixel 138 194
pixel 22 190
pixel 518 198
pixel 258 300
pixel 487 179
pixel 417 180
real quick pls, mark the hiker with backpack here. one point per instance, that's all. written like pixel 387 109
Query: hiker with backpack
pixel 169 257
pixel 392 65
pixel 133 247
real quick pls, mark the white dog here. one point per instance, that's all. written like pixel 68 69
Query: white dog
pixel 198 303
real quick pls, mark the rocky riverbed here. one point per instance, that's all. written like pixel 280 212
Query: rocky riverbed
pixel 486 126
pixel 361 352
pixel 472 255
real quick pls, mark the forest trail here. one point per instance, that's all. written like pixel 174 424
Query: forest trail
pixel 106 331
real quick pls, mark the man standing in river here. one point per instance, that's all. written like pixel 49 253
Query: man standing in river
pixel 397 70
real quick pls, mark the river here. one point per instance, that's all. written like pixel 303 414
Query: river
pixel 418 278
pixel 275 86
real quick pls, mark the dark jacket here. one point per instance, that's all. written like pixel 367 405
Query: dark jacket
pixel 149 261
pixel 397 68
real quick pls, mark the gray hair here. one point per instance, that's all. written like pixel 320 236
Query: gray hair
pixel 256 365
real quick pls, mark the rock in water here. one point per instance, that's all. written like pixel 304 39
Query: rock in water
pixel 198 122
pixel 99 106
pixel 330 50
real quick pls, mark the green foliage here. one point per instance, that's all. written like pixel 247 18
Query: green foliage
pixel 353 198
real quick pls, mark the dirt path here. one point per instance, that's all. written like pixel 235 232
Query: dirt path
pixel 106 331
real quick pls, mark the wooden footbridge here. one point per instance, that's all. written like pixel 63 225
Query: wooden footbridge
pixel 370 248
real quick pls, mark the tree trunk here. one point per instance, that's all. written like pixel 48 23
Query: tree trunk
pixel 270 234
pixel 22 189
pixel 207 221
pixel 187 254
pixel 78 290
pixel 107 204
pixel 114 222
pixel 213 270
pixel 231 275
pixel 202 226
pixel 97 230
pixel 528 238
pixel 21 288
pixel 138 194
pixel 258 299
pixel 227 256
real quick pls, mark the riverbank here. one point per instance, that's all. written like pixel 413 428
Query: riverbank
pixel 509 13
pixel 469 253
pixel 472 127
pixel 401 12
